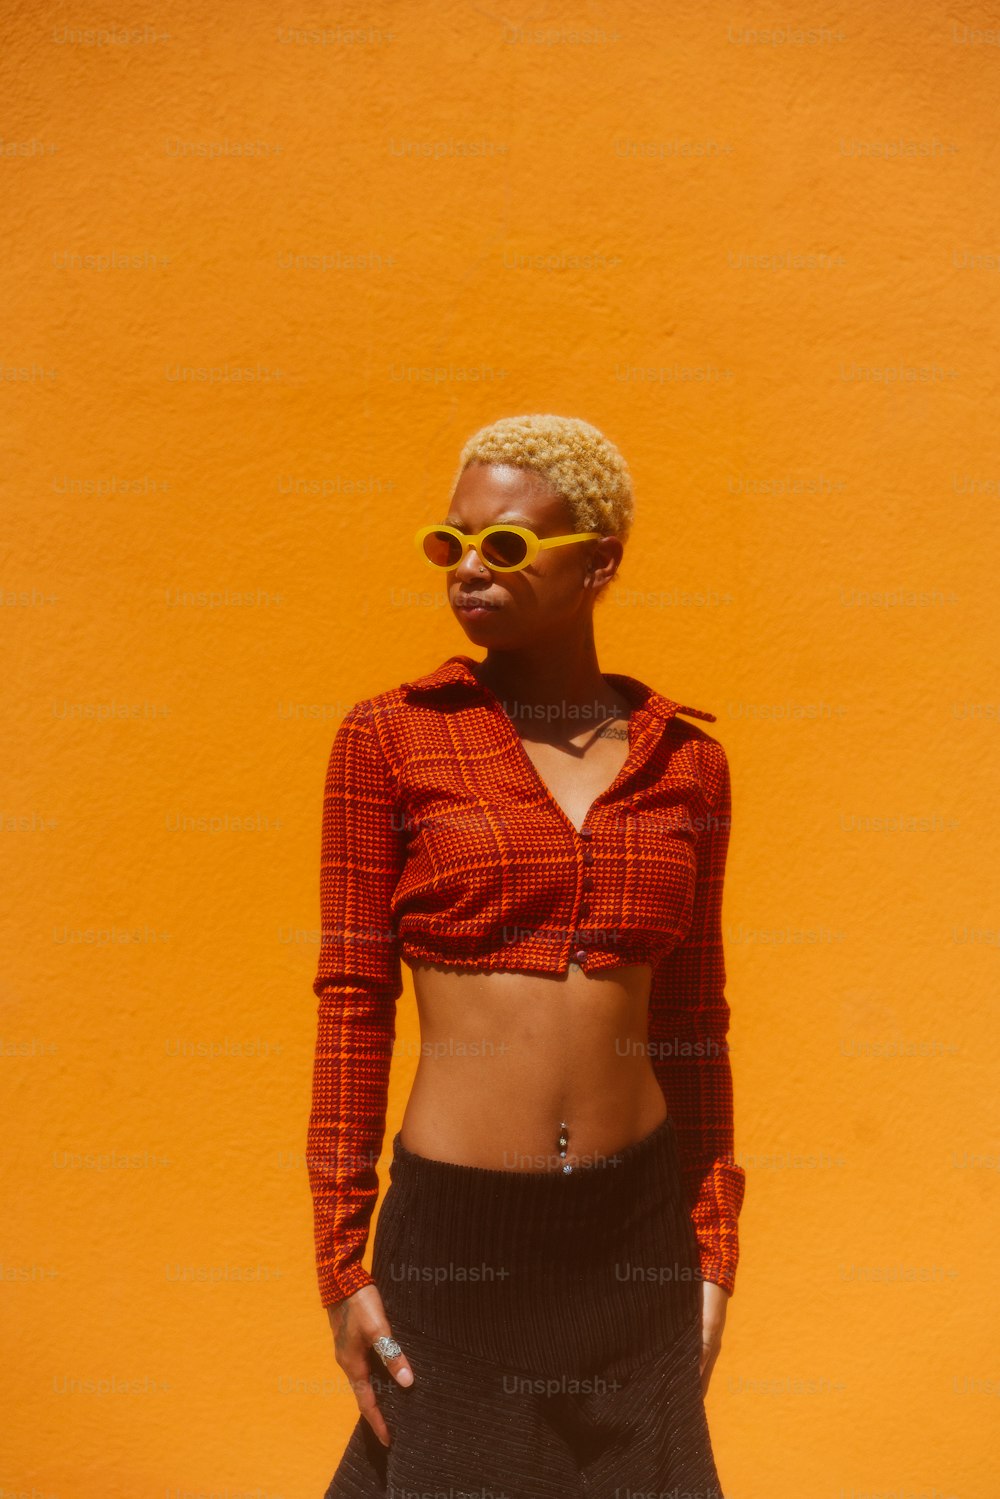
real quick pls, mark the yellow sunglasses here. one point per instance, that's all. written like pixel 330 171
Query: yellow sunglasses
pixel 504 549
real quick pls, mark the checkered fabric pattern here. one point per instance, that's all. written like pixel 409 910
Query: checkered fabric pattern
pixel 441 842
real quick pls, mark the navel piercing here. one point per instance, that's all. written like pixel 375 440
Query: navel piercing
pixel 563 1141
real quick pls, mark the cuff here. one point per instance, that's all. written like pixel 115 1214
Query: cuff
pixel 715 1217
pixel 335 1284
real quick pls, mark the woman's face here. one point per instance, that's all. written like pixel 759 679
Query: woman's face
pixel 560 584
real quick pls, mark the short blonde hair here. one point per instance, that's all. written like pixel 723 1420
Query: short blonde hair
pixel 580 463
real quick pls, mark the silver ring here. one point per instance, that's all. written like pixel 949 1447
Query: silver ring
pixel 386 1348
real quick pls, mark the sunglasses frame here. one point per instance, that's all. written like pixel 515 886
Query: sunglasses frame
pixel 534 544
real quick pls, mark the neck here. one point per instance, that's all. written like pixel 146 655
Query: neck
pixel 555 677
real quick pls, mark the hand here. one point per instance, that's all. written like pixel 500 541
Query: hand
pixel 714 1300
pixel 356 1322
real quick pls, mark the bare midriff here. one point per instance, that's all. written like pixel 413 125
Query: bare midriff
pixel 509 1060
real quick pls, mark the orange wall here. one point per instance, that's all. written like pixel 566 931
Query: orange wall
pixel 788 323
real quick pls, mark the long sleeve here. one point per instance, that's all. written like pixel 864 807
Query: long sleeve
pixel 358 981
pixel 688 1026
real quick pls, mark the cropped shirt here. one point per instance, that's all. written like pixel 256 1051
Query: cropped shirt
pixel 440 842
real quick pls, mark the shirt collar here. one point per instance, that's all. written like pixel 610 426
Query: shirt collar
pixel 646 701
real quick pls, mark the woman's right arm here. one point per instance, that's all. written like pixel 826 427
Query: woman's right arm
pixel 358 981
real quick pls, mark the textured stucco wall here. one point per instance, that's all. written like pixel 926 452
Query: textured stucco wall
pixel 766 264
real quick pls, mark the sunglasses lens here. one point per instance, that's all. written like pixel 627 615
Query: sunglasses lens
pixel 441 548
pixel 504 549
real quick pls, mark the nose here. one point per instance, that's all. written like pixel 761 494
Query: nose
pixel 471 565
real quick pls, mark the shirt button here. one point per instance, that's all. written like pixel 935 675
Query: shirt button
pixel 580 955
pixel 588 856
pixel 586 833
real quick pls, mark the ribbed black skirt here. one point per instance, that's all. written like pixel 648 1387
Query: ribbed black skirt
pixel 553 1324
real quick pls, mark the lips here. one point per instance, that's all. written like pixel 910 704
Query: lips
pixel 471 605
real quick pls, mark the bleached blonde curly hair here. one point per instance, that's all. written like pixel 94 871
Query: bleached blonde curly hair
pixel 580 463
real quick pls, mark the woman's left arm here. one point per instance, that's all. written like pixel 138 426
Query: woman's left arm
pixel 688 1030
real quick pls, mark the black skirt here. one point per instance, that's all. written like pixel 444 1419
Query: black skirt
pixel 552 1320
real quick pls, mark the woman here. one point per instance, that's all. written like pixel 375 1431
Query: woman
pixel 545 846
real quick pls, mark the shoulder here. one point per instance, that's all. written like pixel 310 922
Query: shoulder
pixel 703 753
pixel 411 693
pixel 405 712
pixel 387 723
pixel 371 709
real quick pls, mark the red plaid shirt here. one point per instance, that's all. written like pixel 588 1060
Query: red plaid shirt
pixel 441 842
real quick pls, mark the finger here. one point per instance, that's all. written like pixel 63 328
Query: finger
pixel 368 1406
pixel 707 1367
pixel 397 1364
